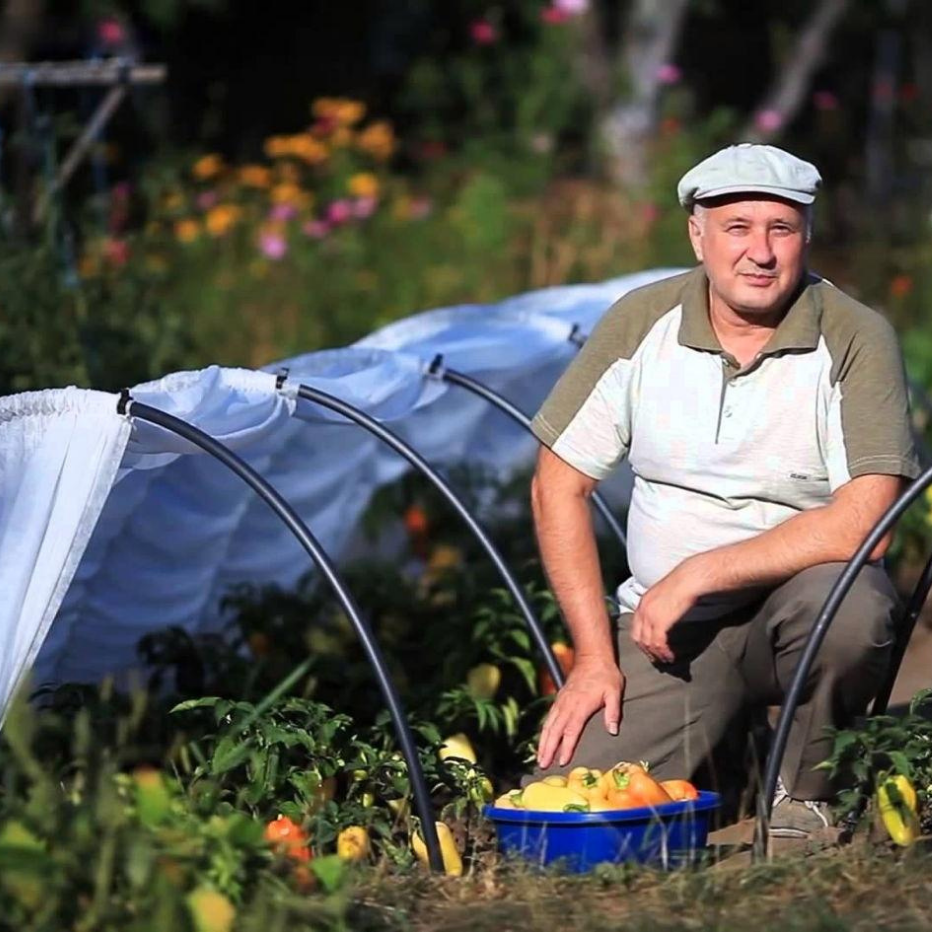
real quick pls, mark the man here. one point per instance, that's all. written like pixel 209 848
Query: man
pixel 764 416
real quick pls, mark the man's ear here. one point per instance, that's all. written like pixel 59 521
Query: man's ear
pixel 695 236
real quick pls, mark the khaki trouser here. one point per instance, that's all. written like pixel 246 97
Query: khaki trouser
pixel 689 718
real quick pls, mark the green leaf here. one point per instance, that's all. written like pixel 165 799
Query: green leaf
pixel 330 870
pixel 526 669
pixel 901 763
pixel 205 702
pixel 230 752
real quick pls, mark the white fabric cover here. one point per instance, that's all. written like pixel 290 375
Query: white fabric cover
pixel 178 530
pixel 59 454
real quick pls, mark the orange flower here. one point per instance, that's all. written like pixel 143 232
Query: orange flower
pixel 901 285
pixel 306 147
pixel 339 110
pixel 221 219
pixel 187 230
pixel 342 137
pixel 363 184
pixel 377 140
pixel 208 166
pixel 277 147
pixel 255 176
pixel 289 193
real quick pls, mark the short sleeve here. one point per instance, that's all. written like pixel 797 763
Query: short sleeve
pixel 868 424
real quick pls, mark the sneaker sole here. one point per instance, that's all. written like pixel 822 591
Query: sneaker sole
pixel 790 833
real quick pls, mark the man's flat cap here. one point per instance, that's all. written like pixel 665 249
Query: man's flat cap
pixel 750 168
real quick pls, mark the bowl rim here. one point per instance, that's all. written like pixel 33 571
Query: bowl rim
pixel 706 802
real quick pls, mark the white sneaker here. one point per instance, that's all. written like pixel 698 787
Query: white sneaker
pixel 796 818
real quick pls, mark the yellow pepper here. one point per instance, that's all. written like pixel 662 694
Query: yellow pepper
pixel 896 803
pixel 452 862
pixel 545 797
pixel 353 843
pixel 555 780
pixel 587 782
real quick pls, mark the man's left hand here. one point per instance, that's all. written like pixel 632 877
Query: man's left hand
pixel 660 608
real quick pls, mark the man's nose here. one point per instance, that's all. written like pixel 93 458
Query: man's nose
pixel 760 250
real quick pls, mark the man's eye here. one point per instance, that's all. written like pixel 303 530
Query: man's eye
pixel 736 228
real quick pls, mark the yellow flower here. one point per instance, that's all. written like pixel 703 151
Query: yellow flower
pixel 221 219
pixel 289 193
pixel 255 176
pixel 186 231
pixel 207 166
pixel 341 110
pixel 377 140
pixel 363 184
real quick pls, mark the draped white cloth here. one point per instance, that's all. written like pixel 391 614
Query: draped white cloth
pixel 59 454
pixel 115 534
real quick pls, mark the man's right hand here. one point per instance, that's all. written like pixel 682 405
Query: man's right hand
pixel 593 684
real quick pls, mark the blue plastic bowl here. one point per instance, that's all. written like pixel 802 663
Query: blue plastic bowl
pixel 669 835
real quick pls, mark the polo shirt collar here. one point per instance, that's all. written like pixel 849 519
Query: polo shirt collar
pixel 800 328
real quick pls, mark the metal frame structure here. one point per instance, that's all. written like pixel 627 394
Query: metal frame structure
pixel 299 529
pixel 399 446
pixel 817 635
pixel 454 377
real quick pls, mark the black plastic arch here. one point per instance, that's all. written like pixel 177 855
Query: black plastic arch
pixel 396 443
pixel 503 404
pixel 299 529
pixel 814 641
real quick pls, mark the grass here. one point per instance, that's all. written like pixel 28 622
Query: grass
pixel 852 888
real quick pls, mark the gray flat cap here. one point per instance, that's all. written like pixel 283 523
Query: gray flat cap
pixel 750 168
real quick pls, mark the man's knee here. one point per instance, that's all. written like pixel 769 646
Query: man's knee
pixel 861 628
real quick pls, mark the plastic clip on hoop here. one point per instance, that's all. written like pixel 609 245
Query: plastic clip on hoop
pixel 124 401
pixel 436 369
pixel 576 335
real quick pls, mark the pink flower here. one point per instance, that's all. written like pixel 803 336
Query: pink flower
pixel 315 229
pixel 668 73
pixel 364 207
pixel 273 245
pixel 553 16
pixel 117 251
pixel 571 7
pixel 420 207
pixel 768 121
pixel 340 211
pixel 110 31
pixel 825 100
pixel 206 200
pixel 282 212
pixel 650 213
pixel 482 32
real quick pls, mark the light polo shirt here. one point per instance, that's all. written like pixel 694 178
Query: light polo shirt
pixel 721 454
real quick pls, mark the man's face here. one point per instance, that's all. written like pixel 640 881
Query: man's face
pixel 753 248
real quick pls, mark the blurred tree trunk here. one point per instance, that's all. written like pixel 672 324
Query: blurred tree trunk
pixel 20 24
pixel 788 92
pixel 650 37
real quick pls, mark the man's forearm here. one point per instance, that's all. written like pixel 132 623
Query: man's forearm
pixel 571 560
pixel 822 535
